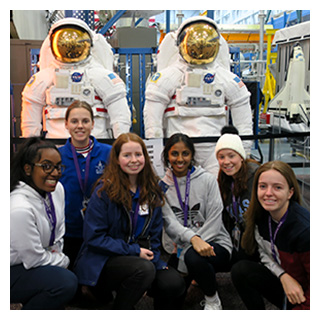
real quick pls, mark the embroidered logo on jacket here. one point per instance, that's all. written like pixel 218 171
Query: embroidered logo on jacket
pixel 195 218
pixel 99 168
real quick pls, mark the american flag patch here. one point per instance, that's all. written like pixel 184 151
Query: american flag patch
pixel 239 82
pixel 114 78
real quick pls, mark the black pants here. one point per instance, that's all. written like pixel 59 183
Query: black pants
pixel 71 249
pixel 132 276
pixel 254 281
pixel 203 269
pixel 168 289
pixel 42 288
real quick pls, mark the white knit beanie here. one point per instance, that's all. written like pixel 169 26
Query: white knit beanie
pixel 230 141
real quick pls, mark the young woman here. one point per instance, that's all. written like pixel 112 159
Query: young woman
pixel 279 226
pixel 235 180
pixel 38 275
pixel 84 158
pixel 193 218
pixel 122 230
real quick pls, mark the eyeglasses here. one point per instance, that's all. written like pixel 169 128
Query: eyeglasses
pixel 49 167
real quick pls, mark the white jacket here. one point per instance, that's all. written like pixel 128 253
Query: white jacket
pixel 30 228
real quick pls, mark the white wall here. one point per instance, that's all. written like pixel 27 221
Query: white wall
pixel 31 24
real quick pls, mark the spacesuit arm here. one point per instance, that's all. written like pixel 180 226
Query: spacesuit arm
pixel 238 99
pixel 112 91
pixel 153 119
pixel 33 101
pixel 120 116
pixel 159 90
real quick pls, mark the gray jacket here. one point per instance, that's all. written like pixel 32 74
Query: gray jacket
pixel 204 215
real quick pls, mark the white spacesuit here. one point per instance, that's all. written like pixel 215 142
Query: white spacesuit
pixel 193 94
pixel 74 69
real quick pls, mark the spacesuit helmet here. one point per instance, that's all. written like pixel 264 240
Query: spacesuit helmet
pixel 198 42
pixel 70 43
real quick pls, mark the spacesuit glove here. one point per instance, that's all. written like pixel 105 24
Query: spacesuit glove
pixel 154 133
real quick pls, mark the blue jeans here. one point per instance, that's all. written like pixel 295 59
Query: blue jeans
pixel 42 288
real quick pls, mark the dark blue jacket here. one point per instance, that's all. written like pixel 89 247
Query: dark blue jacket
pixel 106 232
pixel 73 194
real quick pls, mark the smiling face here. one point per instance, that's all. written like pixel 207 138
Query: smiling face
pixel 230 161
pixel 274 193
pixel 79 125
pixel 131 158
pixel 180 157
pixel 41 181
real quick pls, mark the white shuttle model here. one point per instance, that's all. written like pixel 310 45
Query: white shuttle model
pixel 290 108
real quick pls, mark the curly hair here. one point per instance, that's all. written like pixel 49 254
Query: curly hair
pixel 28 152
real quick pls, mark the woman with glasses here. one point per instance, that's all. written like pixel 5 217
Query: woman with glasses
pixel 38 275
pixel 85 159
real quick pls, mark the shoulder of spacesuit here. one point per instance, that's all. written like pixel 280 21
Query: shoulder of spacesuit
pixel 229 78
pixel 235 89
pixel 108 85
pixel 166 79
pixel 40 81
pixel 97 74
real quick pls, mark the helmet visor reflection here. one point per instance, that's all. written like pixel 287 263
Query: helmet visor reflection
pixel 200 44
pixel 70 45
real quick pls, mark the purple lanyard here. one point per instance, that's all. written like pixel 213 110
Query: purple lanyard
pixel 184 206
pixel 235 205
pixel 134 218
pixel 83 185
pixel 51 213
pixel 273 238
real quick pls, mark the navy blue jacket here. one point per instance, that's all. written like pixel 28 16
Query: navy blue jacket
pixel 106 232
pixel 73 194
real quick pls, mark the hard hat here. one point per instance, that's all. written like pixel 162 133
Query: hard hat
pixel 70 43
pixel 198 42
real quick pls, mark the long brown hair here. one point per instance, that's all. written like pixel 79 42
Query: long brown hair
pixel 240 181
pixel 255 211
pixel 116 182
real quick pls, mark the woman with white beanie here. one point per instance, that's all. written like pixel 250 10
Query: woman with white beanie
pixel 235 180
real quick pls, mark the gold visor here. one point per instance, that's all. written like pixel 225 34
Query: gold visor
pixel 70 45
pixel 200 43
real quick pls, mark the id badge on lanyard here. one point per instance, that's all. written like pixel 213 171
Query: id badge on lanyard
pixel 273 237
pixel 185 205
pixel 83 184
pixel 51 213
pixel 236 232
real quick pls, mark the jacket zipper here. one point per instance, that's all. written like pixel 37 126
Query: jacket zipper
pixel 146 225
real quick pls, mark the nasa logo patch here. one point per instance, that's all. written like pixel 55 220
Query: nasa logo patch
pixel 209 78
pixel 76 77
